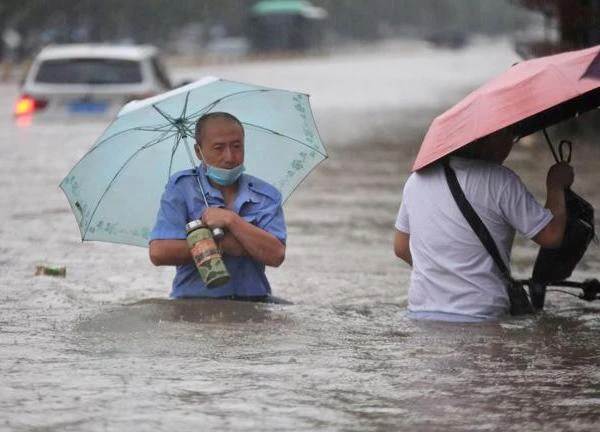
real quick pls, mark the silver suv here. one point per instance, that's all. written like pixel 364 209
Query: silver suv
pixel 89 80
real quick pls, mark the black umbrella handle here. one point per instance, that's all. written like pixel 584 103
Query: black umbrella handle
pixel 565 155
pixel 565 149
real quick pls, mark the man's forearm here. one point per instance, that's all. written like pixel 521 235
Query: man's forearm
pixel 169 252
pixel 229 245
pixel 402 247
pixel 552 234
pixel 555 202
pixel 259 244
pixel 560 177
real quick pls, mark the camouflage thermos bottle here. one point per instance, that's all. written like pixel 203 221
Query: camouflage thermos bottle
pixel 206 254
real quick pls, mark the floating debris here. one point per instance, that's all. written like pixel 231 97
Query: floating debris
pixel 50 270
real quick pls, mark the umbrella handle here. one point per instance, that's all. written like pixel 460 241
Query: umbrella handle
pixel 569 150
pixel 218 233
pixel 565 149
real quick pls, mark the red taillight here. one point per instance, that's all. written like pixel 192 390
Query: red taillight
pixel 28 105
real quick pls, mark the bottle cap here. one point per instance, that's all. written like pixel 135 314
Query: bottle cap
pixel 192 225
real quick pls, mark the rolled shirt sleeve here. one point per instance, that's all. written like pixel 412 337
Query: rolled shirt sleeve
pixel 402 223
pixel 522 210
pixel 172 215
pixel 271 219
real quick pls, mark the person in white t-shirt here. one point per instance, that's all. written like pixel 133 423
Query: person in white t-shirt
pixel 453 276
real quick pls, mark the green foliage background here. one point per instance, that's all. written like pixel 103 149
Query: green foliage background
pixel 154 20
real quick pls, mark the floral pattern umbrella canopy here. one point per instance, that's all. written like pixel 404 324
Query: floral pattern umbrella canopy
pixel 115 189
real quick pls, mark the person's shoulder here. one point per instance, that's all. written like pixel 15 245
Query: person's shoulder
pixel 503 172
pixel 179 182
pixel 485 167
pixel 179 175
pixel 263 188
pixel 424 175
pixel 502 180
pixel 411 179
pixel 416 183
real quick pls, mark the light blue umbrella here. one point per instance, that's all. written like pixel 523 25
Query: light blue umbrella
pixel 115 189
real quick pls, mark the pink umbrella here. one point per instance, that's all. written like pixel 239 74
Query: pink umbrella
pixel 529 96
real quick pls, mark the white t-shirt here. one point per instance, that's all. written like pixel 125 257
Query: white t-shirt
pixel 452 271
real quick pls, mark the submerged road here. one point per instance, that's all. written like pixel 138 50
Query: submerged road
pixel 103 350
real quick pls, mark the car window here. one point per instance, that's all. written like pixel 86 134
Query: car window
pixel 89 71
pixel 160 73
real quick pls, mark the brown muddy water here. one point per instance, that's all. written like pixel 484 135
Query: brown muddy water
pixel 104 350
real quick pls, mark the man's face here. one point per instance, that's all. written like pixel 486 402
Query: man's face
pixel 222 144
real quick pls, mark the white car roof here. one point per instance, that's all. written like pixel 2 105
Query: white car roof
pixel 132 52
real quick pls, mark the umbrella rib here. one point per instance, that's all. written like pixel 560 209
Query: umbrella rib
pixel 170 119
pixel 108 186
pixel 157 141
pixel 285 136
pixel 189 131
pixel 187 97
pixel 179 123
pixel 138 128
pixel 152 129
pixel 173 150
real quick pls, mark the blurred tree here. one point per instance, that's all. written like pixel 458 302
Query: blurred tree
pixel 578 20
pixel 155 21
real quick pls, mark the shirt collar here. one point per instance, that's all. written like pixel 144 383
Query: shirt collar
pixel 209 189
pixel 246 191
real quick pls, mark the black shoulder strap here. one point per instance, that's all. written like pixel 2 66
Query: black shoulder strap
pixel 473 218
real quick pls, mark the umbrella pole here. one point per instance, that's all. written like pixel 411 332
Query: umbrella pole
pixel 191 158
pixel 550 145
pixel 217 232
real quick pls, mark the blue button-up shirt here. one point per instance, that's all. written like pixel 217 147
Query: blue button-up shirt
pixel 257 202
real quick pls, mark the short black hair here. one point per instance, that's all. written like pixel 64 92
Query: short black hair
pixel 201 122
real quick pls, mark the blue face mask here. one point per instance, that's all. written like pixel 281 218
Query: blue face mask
pixel 223 176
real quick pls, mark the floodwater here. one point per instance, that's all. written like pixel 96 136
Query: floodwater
pixel 104 350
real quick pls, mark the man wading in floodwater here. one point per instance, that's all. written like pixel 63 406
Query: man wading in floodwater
pixel 454 278
pixel 245 207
